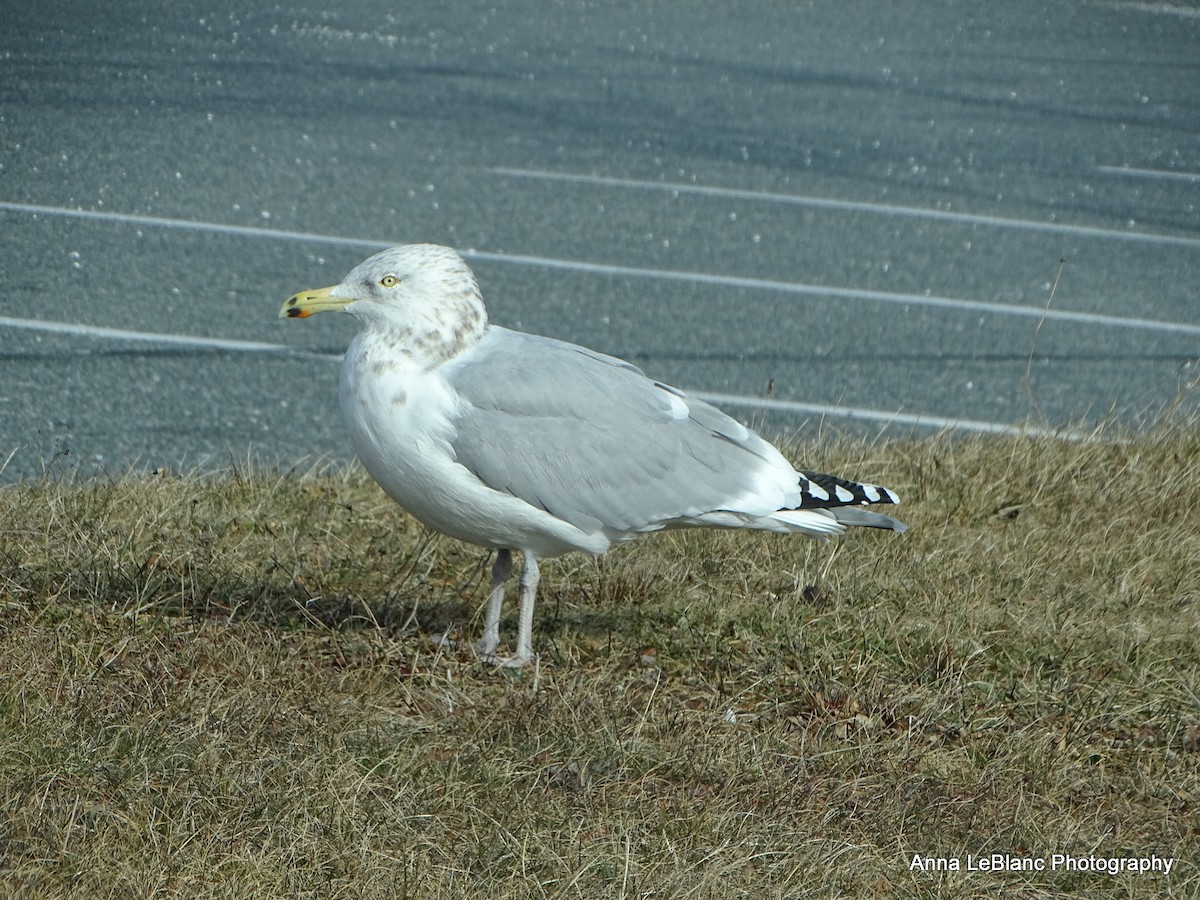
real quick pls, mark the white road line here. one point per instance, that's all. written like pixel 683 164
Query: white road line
pixel 887 418
pixel 1131 172
pixel 191 225
pixel 77 329
pixel 787 287
pixel 855 206
pixel 1168 9
pixel 817 290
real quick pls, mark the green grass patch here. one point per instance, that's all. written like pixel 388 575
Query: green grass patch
pixel 226 686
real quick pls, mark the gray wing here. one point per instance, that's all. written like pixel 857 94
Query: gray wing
pixel 593 441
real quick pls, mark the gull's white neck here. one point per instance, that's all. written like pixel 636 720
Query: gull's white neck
pixel 423 335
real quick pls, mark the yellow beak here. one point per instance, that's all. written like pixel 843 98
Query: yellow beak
pixel 305 303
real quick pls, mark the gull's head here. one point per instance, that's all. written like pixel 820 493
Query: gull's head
pixel 415 287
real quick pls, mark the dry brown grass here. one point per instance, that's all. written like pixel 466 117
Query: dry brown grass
pixel 224 686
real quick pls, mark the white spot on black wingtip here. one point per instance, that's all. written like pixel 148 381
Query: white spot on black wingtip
pixel 813 491
pixel 887 496
pixel 819 490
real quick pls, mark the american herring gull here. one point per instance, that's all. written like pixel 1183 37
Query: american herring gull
pixel 513 441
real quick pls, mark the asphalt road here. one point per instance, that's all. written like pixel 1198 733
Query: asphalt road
pixel 849 214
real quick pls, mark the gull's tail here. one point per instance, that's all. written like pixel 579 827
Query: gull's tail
pixel 845 500
pixel 828 505
pixel 827 497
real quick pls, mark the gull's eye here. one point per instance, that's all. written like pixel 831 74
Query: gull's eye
pixel 389 281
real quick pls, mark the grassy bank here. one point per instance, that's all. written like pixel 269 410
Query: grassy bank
pixel 226 686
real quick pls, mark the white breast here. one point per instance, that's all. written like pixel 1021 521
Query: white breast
pixel 400 418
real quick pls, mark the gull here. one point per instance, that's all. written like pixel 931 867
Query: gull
pixel 517 442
